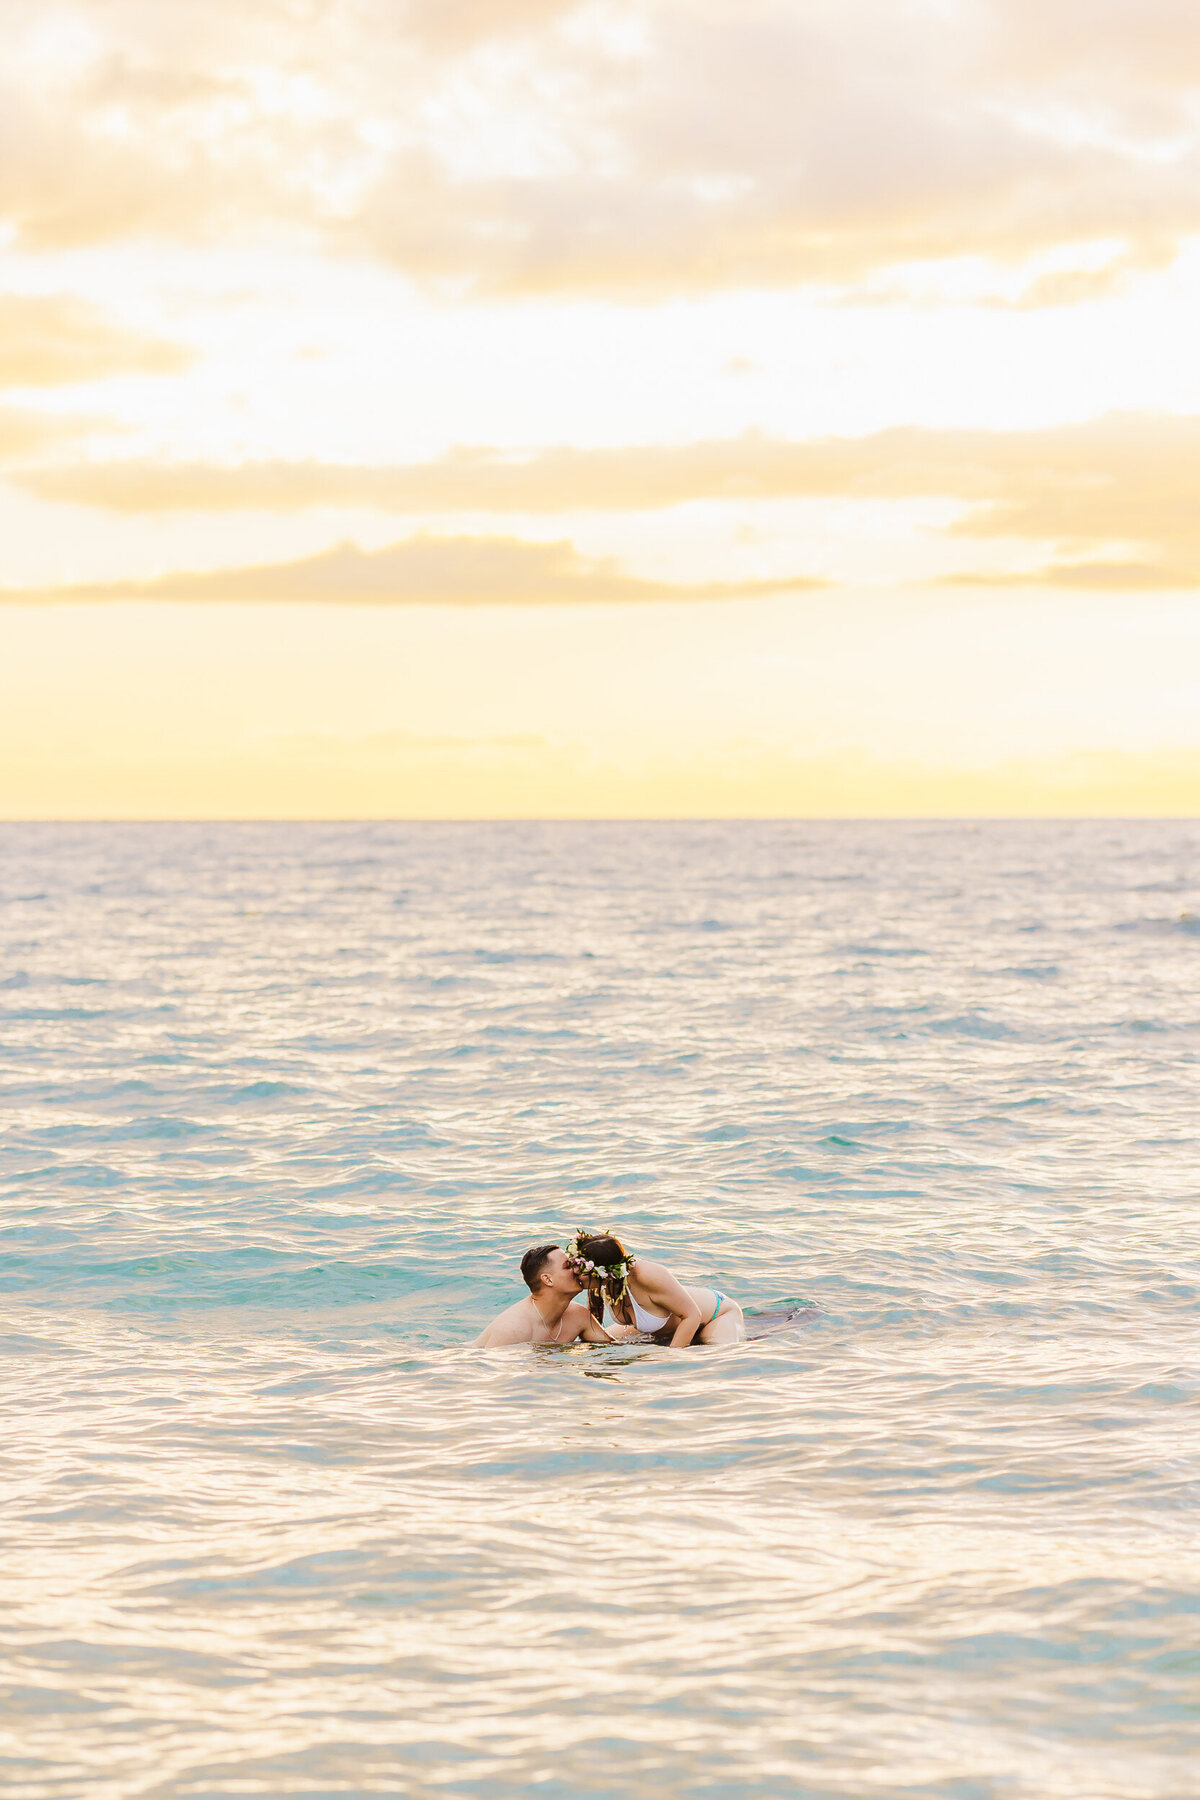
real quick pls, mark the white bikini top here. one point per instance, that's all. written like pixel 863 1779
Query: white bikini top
pixel 645 1321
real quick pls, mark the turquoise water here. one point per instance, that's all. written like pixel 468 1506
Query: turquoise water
pixel 283 1107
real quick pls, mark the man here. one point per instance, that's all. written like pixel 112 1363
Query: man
pixel 547 1316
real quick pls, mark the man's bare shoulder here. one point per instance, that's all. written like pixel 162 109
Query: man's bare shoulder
pixel 513 1326
pixel 576 1319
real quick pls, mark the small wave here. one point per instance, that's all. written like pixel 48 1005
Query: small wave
pixel 163 1127
pixel 260 1090
pixel 1185 924
pixel 30 1014
pixel 887 950
pixel 18 1344
pixel 973 1025
pixel 516 956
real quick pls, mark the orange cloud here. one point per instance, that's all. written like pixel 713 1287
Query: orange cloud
pixel 1090 573
pixel 24 432
pixel 668 147
pixel 461 23
pixel 1094 492
pixel 423 571
pixel 631 479
pixel 1151 43
pixel 54 340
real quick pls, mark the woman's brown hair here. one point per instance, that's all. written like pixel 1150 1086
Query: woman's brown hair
pixel 608 1253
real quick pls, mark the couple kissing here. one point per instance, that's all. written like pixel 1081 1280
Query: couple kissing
pixel 641 1297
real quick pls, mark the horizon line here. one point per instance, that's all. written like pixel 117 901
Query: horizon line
pixel 1066 818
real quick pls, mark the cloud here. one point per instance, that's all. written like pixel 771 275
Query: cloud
pixel 24 432
pixel 190 122
pixel 423 571
pixel 516 146
pixel 1090 574
pixel 469 479
pixel 463 23
pixel 900 462
pixel 53 340
pixel 1114 498
pixel 1153 43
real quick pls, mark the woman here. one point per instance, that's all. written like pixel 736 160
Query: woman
pixel 646 1296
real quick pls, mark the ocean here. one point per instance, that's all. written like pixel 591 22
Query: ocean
pixel 284 1104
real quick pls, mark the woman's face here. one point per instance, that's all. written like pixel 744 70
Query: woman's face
pixel 593 1274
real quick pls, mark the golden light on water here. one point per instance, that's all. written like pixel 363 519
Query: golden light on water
pixel 284 1105
pixel 668 407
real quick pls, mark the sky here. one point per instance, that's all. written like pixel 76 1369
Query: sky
pixel 515 408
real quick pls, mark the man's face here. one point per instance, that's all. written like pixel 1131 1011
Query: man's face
pixel 557 1277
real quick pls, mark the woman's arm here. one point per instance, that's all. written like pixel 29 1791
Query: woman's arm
pixel 595 1333
pixel 688 1326
pixel 671 1295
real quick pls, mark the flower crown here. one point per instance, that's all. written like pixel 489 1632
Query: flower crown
pixel 611 1276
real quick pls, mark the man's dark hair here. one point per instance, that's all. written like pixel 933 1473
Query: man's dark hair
pixel 532 1264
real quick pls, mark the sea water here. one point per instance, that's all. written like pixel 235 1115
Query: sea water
pixel 283 1105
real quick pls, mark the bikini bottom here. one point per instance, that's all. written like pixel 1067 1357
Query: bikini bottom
pixel 667 1332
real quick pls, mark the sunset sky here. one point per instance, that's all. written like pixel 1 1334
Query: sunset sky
pixel 470 408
